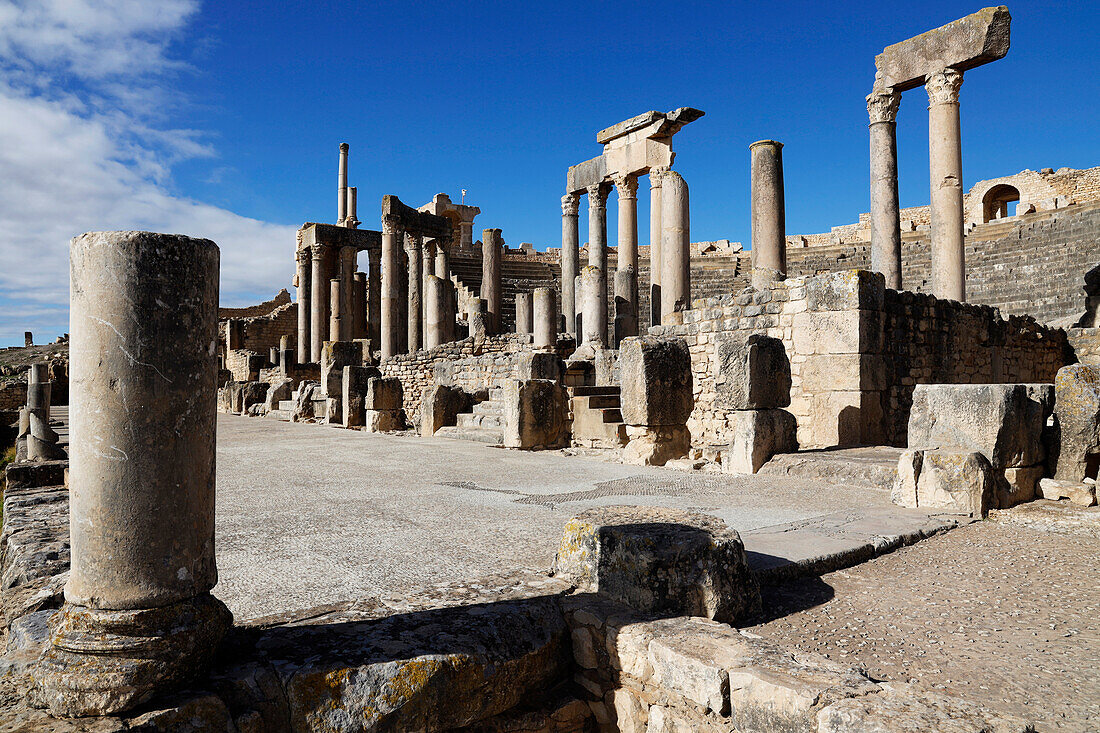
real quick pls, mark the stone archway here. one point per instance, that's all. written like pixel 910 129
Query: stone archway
pixel 996 200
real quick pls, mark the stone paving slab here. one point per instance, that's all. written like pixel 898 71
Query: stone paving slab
pixel 309 515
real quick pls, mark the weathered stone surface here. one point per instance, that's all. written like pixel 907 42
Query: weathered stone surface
pixel 1016 485
pixel 661 561
pixel 901 708
pixel 539 365
pixel 1076 440
pixel 281 390
pixel 846 290
pixel 757 435
pixel 355 385
pixel 655 446
pixel 1078 492
pixel 656 381
pixel 384 393
pixel 607 367
pixel 440 406
pixel 535 413
pixel 253 393
pixel 956 480
pixel 962 44
pixel 303 401
pixel 335 355
pixel 1003 422
pixel 752 373
pixel 383 421
pixel 30 475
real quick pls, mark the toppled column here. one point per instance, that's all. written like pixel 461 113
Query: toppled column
pixel 524 313
pixel 675 246
pixel 655 236
pixel 304 276
pixel 390 322
pixel 374 298
pixel 626 271
pixel 37 441
pixel 570 256
pixel 335 322
pixel 319 309
pixel 546 318
pixel 945 176
pixel 437 306
pixel 882 108
pixel 138 615
pixel 597 250
pixel 769 241
pixel 342 186
pixel 491 292
pixel 656 398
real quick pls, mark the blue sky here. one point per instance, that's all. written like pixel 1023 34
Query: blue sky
pixel 223 119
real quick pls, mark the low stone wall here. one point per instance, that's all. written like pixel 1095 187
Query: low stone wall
pixel 856 351
pixel 13 394
pixel 260 309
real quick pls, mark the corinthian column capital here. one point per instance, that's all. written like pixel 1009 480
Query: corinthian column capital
pixel 570 203
pixel 943 87
pixel 882 105
pixel 626 186
pixel 656 175
pixel 391 225
pixel 317 250
pixel 597 195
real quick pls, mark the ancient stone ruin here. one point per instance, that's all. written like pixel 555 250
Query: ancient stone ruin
pixel 879 385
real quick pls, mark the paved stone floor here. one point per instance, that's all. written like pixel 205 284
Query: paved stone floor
pixel 309 514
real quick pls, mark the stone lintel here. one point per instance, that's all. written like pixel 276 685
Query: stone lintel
pixel 412 221
pixel 583 175
pixel 337 236
pixel 962 44
pixel 668 123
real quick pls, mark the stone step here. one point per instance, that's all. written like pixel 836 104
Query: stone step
pixel 470 420
pixel 287 405
pixel 590 390
pixel 280 414
pixel 489 407
pixel 600 401
pixel 479 435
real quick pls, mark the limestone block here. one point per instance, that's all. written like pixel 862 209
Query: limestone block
pixel 335 355
pixel 901 707
pixel 1077 492
pixel 757 435
pixel 1076 439
pixel 303 401
pixel 539 365
pixel 383 421
pixel 843 372
pixel 440 406
pixel 956 480
pixel 354 387
pixel 1003 422
pixel 656 381
pixel 842 419
pixel 846 290
pixel 752 373
pixel 1016 485
pixel 838 332
pixel 607 367
pixel 282 389
pixel 253 393
pixel 655 446
pixel 660 561
pixel 535 414
pixel 383 393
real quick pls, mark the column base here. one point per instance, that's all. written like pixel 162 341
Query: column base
pixel 102 662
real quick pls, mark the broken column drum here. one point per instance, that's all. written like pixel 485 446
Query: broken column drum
pixel 882 108
pixel 138 612
pixel 335 321
pixel 523 313
pixel 570 255
pixel 945 176
pixel 769 243
pixel 675 246
pixel 546 318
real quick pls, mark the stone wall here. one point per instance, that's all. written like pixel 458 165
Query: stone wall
pixel 1086 344
pixel 856 351
pixel 261 309
pixel 260 333
pixel 13 394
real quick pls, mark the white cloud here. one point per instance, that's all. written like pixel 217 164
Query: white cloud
pixel 77 154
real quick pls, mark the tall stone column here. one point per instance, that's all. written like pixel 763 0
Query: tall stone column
pixel 427 269
pixel 597 248
pixel 626 273
pixel 523 313
pixel 769 239
pixel 491 245
pixel 138 614
pixel 352 221
pixel 347 292
pixel 342 186
pixel 570 256
pixel 436 306
pixel 359 306
pixel 305 276
pixel 882 109
pixel 656 233
pixel 593 306
pixel 545 315
pixel 414 252
pixel 374 298
pixel 390 322
pixel 335 319
pixel 319 310
pixel 675 246
pixel 945 174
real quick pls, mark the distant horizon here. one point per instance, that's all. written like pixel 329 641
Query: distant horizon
pixel 214 120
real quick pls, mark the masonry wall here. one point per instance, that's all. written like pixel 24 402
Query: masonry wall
pixel 260 309
pixel 1086 344
pixel 13 394
pixel 260 333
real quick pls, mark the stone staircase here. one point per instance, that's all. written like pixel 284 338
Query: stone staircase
pixel 597 416
pixel 483 424
pixel 516 276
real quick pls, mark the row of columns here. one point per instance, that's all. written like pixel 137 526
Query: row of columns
pixel 335 302
pixel 945 173
pixel 417 298
pixel 537 314
pixel 585 293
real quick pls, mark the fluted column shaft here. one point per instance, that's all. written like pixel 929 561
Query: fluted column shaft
pixel 945 176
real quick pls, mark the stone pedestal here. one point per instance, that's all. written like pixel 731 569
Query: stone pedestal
pixel 570 255
pixel 545 318
pixel 675 246
pixel 524 313
pixel 769 242
pixel 882 108
pixel 656 398
pixel 138 616
pixel 304 276
pixel 945 175
pixel 390 322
